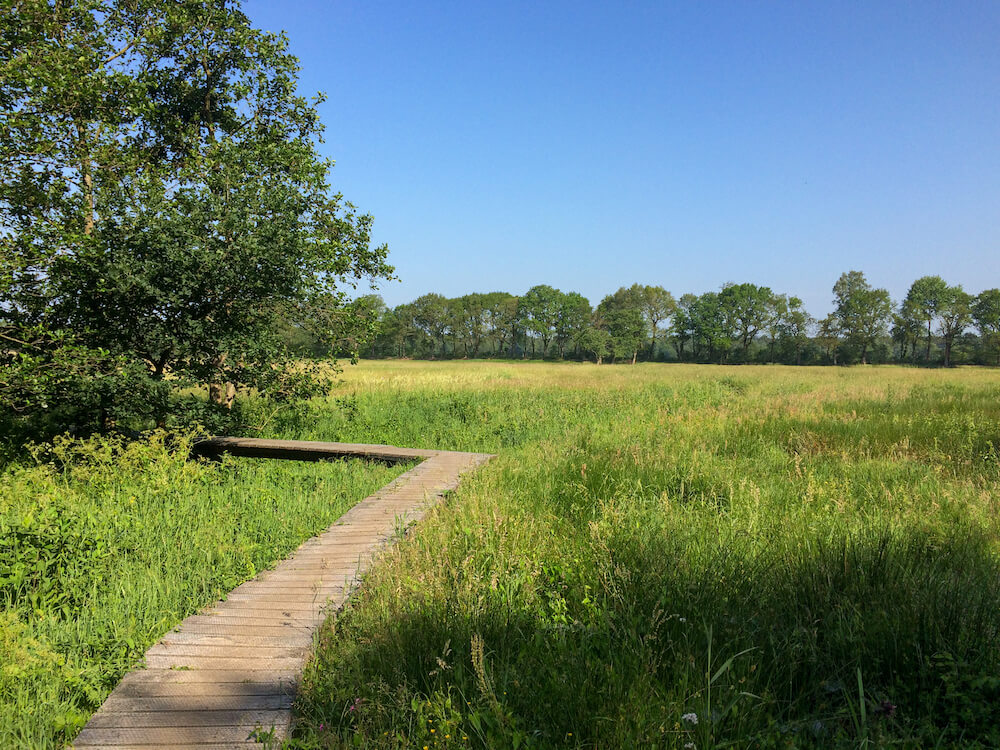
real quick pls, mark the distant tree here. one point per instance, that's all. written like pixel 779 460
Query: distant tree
pixel 412 338
pixel 712 327
pixel 956 315
pixel 924 301
pixel 862 311
pixel 681 328
pixel 907 325
pixel 540 306
pixel 620 314
pixel 748 307
pixel 595 342
pixel 657 306
pixel 777 310
pixel 793 325
pixel 499 316
pixel 574 313
pixel 986 314
pixel 829 336
pixel 432 316
pixel 471 323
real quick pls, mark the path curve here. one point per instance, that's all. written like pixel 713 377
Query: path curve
pixel 229 673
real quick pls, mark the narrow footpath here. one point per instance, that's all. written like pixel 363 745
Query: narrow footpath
pixel 226 677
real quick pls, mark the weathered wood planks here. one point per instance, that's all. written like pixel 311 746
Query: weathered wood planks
pixel 226 677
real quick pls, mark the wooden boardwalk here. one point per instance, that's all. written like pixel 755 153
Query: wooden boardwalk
pixel 226 677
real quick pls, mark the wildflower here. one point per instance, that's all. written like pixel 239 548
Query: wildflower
pixel 356 705
pixel 691 717
pixel 888 708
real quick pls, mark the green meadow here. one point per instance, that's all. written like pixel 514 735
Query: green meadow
pixel 659 556
pixel 675 557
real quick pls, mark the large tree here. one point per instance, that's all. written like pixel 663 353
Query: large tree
pixel 573 318
pixel 748 306
pixel 713 329
pixel 793 324
pixel 161 193
pixel 501 317
pixel 925 301
pixel 681 324
pixel 432 316
pixel 657 306
pixel 862 311
pixel 829 336
pixel 620 315
pixel 540 306
pixel 956 315
pixel 907 326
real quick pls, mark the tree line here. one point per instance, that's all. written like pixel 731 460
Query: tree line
pixel 936 324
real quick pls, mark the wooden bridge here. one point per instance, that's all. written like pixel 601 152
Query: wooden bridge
pixel 226 677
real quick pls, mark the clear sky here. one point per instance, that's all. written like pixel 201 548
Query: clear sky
pixel 592 145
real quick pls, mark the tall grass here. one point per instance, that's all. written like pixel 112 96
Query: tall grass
pixel 672 556
pixel 105 546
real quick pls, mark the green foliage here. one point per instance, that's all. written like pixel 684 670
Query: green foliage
pixel 986 313
pixel 862 312
pixel 621 316
pixel 164 206
pixel 748 306
pixel 924 302
pixel 741 323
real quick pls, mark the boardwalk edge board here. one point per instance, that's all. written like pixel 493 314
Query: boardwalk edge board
pixel 227 675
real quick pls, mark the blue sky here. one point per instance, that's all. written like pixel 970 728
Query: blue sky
pixel 593 145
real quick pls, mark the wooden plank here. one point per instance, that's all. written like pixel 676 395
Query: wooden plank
pixel 196 718
pixel 187 702
pixel 211 663
pixel 171 737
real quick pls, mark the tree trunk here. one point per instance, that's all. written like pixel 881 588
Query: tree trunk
pixel 221 392
pixel 634 355
pixel 87 177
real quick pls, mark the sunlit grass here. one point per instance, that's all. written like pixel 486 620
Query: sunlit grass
pixel 643 525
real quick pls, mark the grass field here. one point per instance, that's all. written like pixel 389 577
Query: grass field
pixel 675 556
pixel 105 547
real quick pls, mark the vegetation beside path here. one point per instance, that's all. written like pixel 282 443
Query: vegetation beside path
pixel 104 547
pixel 675 557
